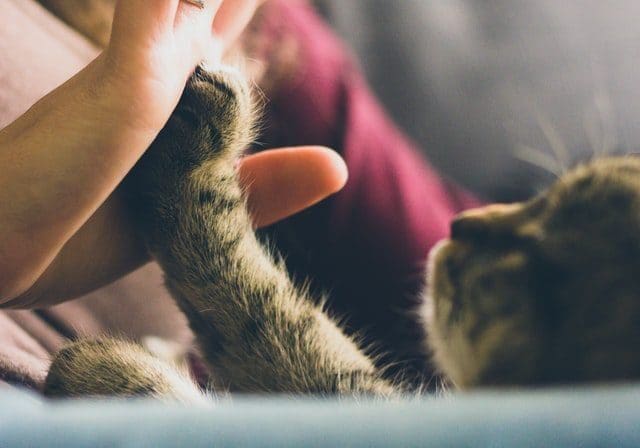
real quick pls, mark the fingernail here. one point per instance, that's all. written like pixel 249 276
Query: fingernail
pixel 198 3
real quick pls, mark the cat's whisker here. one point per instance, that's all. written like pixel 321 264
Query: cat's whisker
pixel 591 130
pixel 555 142
pixel 599 126
pixel 603 112
pixel 538 159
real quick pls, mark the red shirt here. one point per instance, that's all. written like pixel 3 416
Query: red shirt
pixel 367 245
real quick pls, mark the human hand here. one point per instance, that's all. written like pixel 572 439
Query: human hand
pixel 278 182
pixel 154 48
pixel 281 182
pixel 75 146
pixel 155 56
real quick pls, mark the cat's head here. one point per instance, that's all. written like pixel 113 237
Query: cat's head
pixel 545 291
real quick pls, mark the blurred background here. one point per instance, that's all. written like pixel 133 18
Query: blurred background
pixel 502 93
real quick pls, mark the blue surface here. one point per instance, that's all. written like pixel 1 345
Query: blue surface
pixel 579 417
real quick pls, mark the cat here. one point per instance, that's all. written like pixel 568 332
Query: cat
pixel 546 291
pixel 535 293
pixel 258 331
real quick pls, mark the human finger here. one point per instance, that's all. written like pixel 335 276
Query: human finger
pixel 282 182
pixel 232 18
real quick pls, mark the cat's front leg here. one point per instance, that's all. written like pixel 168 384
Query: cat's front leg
pixel 258 331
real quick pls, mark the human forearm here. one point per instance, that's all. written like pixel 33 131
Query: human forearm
pixel 103 250
pixel 63 158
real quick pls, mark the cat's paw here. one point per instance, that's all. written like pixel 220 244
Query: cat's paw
pixel 214 121
pixel 218 108
pixel 198 148
pixel 116 368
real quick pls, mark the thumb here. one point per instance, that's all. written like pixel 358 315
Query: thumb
pixel 282 182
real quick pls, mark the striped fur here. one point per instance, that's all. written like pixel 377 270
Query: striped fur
pixel 257 330
pixel 546 291
pixel 542 292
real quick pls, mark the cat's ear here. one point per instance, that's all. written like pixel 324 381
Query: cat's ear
pixel 491 219
pixel 497 219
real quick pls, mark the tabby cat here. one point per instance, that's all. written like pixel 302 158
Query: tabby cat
pixel 546 291
pixel 542 292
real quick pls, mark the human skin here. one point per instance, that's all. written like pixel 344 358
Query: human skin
pixel 64 230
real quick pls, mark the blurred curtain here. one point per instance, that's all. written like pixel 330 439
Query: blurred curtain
pixel 494 89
